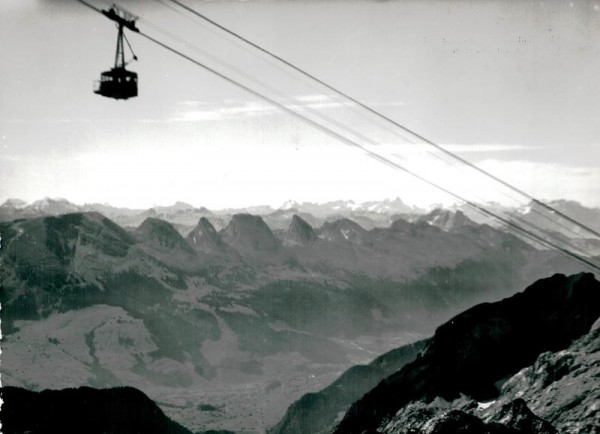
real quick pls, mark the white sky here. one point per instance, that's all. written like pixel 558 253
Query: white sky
pixel 511 86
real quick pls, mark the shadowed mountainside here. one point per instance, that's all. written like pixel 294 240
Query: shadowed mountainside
pixel 317 412
pixel 483 345
pixel 559 387
pixel 119 410
pixel 247 232
pixel 512 418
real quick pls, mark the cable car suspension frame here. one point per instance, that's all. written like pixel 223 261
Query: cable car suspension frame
pixel 119 83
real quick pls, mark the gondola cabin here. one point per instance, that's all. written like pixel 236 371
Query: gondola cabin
pixel 118 83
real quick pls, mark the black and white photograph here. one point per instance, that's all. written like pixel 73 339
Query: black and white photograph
pixel 300 216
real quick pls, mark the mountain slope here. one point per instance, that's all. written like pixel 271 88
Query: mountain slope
pixel 53 255
pixel 205 238
pixel 248 233
pixel 160 240
pixel 118 410
pixel 300 231
pixel 447 220
pixel 317 412
pixel 161 235
pixel 562 386
pixel 472 352
pixel 559 387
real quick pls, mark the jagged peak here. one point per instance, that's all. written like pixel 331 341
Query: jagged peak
pixel 163 233
pixel 447 220
pixel 246 220
pixel 341 229
pixel 249 232
pixel 343 222
pixel 300 230
pixel 151 222
pixel 205 224
pixel 205 237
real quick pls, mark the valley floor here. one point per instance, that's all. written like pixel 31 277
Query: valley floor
pixel 233 400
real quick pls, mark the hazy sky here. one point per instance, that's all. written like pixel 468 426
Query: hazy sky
pixel 511 86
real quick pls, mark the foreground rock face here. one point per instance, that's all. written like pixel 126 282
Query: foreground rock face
pixel 517 416
pixel 484 345
pixel 441 418
pixel 117 410
pixel 562 387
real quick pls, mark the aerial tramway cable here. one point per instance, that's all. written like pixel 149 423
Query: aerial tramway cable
pixel 514 215
pixel 388 119
pixel 534 210
pixel 370 153
pixel 166 3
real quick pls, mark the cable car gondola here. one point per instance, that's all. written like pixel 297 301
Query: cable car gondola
pixel 119 83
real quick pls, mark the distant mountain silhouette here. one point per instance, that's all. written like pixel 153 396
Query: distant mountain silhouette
pixel 249 233
pixel 282 218
pixel 204 237
pixel 447 220
pixel 56 206
pixel 300 231
pixel 162 235
pixel 369 214
pixel 342 230
pixel 14 204
pixel 83 410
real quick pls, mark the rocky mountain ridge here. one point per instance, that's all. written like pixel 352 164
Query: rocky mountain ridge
pixel 557 393
pixel 369 215
pixel 470 354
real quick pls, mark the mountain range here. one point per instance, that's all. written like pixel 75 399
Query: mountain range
pixel 227 324
pixel 184 217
